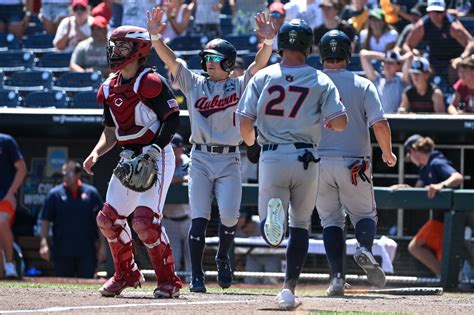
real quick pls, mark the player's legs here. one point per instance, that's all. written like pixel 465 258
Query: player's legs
pixel 51 14
pixel 228 190
pixel 86 266
pixel 15 16
pixel 201 184
pixel 427 245
pixel 7 213
pixel 332 219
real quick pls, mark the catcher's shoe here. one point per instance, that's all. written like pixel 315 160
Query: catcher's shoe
pixel 197 284
pixel 10 271
pixel 168 290
pixel 274 228
pixel 364 258
pixel 336 287
pixel 224 273
pixel 115 285
pixel 287 300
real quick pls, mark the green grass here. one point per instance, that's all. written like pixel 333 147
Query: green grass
pixel 33 285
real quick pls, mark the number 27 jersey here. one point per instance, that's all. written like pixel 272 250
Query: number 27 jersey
pixel 289 104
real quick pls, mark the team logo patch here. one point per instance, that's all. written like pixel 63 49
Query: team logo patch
pixel 289 78
pixel 118 102
pixel 293 34
pixel 172 103
pixel 333 45
pixel 229 86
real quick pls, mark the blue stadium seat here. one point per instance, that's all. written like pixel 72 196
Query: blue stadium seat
pixel 9 98
pixel 1 79
pixel 314 61
pixel 355 64
pixel 39 43
pixel 54 62
pixel 187 43
pixel 243 42
pixel 9 41
pixel 35 26
pixel 194 62
pixel 248 58
pixel 29 81
pixel 468 24
pixel 275 58
pixel 46 99
pixel 85 100
pixel 78 81
pixel 16 60
pixel 154 61
pixel 226 24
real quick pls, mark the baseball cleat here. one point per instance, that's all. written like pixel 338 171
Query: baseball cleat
pixel 197 285
pixel 10 270
pixel 166 291
pixel 336 287
pixel 375 275
pixel 287 300
pixel 224 273
pixel 274 227
pixel 117 283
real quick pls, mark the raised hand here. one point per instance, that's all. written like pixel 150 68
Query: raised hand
pixel 154 21
pixel 265 26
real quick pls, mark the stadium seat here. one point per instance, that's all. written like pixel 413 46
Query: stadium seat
pixel 226 24
pixel 248 58
pixel 54 62
pixel 9 41
pixel 29 81
pixel 314 61
pixel 194 62
pixel 468 24
pixel 1 79
pixel 243 42
pixel 35 26
pixel 85 100
pixel 187 43
pixel 46 99
pixel 155 61
pixel 9 98
pixel 16 60
pixel 78 81
pixel 39 43
pixel 275 58
pixel 355 64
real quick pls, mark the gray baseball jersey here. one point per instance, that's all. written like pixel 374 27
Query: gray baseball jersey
pixel 337 194
pixel 288 105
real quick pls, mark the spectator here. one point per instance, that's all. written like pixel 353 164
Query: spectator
pixel 278 14
pixel 463 98
pixel 392 83
pixel 134 11
pixel 52 12
pixel 12 17
pixel 71 208
pixel 103 9
pixel 422 96
pixel 13 171
pixel 177 217
pixel 307 10
pixel 179 15
pixel 445 36
pixel 74 28
pixel 207 17
pixel 243 12
pixel 436 173
pixel 416 13
pixel 331 10
pixel 356 14
pixel 468 50
pixel 378 36
pixel 89 54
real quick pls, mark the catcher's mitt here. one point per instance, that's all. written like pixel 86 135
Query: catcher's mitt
pixel 138 174
pixel 253 152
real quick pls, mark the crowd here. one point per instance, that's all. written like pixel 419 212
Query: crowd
pixel 415 57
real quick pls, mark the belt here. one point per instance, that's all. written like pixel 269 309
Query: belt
pixel 216 148
pixel 183 218
pixel 297 145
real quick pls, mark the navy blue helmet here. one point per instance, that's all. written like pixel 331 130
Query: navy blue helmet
pixel 335 44
pixel 295 35
pixel 220 47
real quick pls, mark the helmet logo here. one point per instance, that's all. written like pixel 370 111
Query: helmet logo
pixel 292 34
pixel 333 45
pixel 118 102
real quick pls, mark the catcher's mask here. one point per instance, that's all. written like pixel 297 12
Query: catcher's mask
pixel 224 49
pixel 126 44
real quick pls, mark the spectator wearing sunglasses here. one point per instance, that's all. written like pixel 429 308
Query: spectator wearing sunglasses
pixel 74 28
pixel 445 36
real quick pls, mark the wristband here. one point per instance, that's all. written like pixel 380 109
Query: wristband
pixel 155 36
pixel 269 41
pixel 157 147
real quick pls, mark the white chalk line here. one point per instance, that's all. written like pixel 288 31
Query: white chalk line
pixel 89 307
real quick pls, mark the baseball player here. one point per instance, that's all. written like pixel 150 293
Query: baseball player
pixel 288 102
pixel 345 179
pixel 215 159
pixel 141 115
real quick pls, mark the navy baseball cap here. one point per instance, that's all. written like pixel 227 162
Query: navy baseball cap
pixel 420 65
pixel 410 141
pixel 177 141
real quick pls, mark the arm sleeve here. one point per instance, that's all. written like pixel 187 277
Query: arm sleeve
pixel 14 151
pixel 167 130
pixel 48 210
pixel 444 170
pixel 107 119
pixel 372 105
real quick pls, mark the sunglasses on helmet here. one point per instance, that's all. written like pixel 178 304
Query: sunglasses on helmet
pixel 213 58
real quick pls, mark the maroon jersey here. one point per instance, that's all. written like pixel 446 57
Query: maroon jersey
pixel 136 107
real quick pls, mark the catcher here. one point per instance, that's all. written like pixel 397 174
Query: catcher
pixel 141 115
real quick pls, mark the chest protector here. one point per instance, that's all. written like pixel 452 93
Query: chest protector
pixel 136 123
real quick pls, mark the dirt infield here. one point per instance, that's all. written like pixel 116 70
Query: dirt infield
pixel 54 295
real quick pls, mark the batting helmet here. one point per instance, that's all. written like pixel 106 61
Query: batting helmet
pixel 223 48
pixel 295 35
pixel 141 46
pixel 335 44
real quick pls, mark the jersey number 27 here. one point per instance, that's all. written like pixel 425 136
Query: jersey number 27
pixel 271 107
